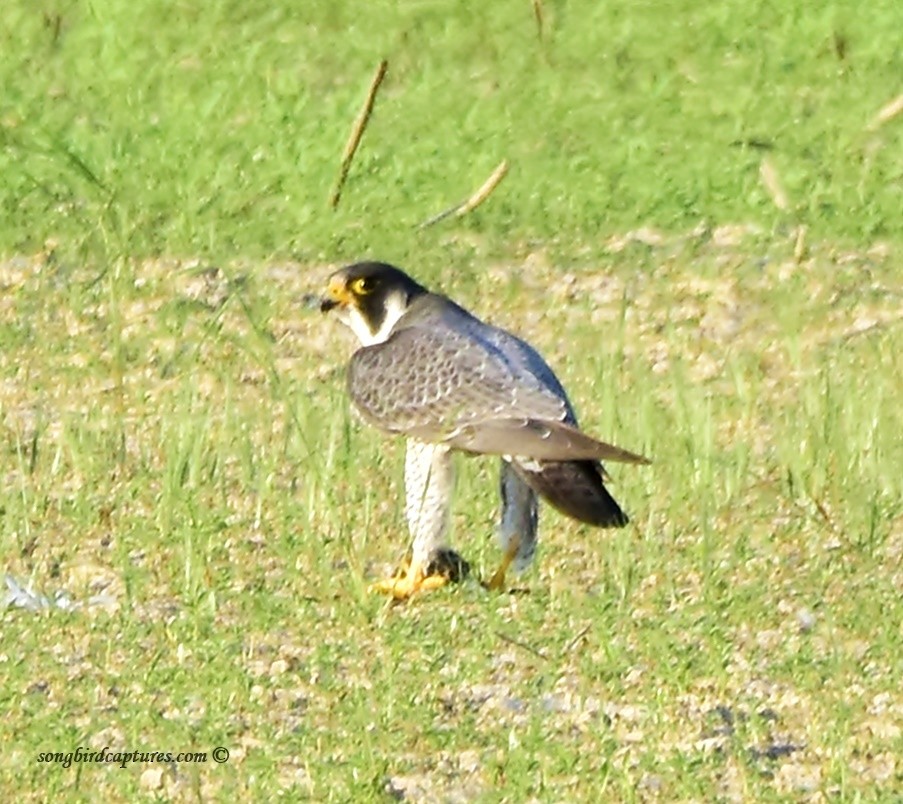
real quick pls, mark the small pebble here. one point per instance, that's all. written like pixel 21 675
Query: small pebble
pixel 806 620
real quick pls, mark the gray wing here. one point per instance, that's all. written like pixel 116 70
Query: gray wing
pixel 537 439
pixel 440 385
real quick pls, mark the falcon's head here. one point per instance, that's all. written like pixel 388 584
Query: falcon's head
pixel 370 297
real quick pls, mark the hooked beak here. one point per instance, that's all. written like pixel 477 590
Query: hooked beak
pixel 337 295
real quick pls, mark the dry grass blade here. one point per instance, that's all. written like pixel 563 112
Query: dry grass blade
pixel 357 132
pixel 522 645
pixel 799 246
pixel 538 15
pixel 887 112
pixel 485 190
pixel 576 640
pixel 475 200
pixel 769 175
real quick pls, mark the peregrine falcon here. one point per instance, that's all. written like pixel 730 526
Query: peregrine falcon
pixel 433 372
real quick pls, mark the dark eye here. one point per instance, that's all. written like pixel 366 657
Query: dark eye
pixel 363 285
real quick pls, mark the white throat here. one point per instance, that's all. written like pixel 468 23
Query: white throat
pixel 396 305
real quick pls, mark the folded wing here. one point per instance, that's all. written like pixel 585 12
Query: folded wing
pixel 437 385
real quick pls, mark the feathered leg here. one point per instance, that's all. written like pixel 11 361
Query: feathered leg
pixel 429 479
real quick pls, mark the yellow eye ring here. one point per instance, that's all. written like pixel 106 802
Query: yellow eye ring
pixel 362 286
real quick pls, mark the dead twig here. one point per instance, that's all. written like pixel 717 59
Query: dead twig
pixel 522 645
pixel 357 131
pixel 475 200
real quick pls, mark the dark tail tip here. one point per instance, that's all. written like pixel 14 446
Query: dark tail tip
pixel 576 489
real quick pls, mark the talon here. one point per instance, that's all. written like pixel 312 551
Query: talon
pixel 401 588
pixel 449 564
pixel 445 567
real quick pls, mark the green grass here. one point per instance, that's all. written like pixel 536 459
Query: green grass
pixel 221 133
pixel 180 459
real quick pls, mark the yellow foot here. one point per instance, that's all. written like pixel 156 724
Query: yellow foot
pixel 445 567
pixel 497 582
pixel 402 588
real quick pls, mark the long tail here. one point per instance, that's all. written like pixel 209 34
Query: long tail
pixel 575 488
